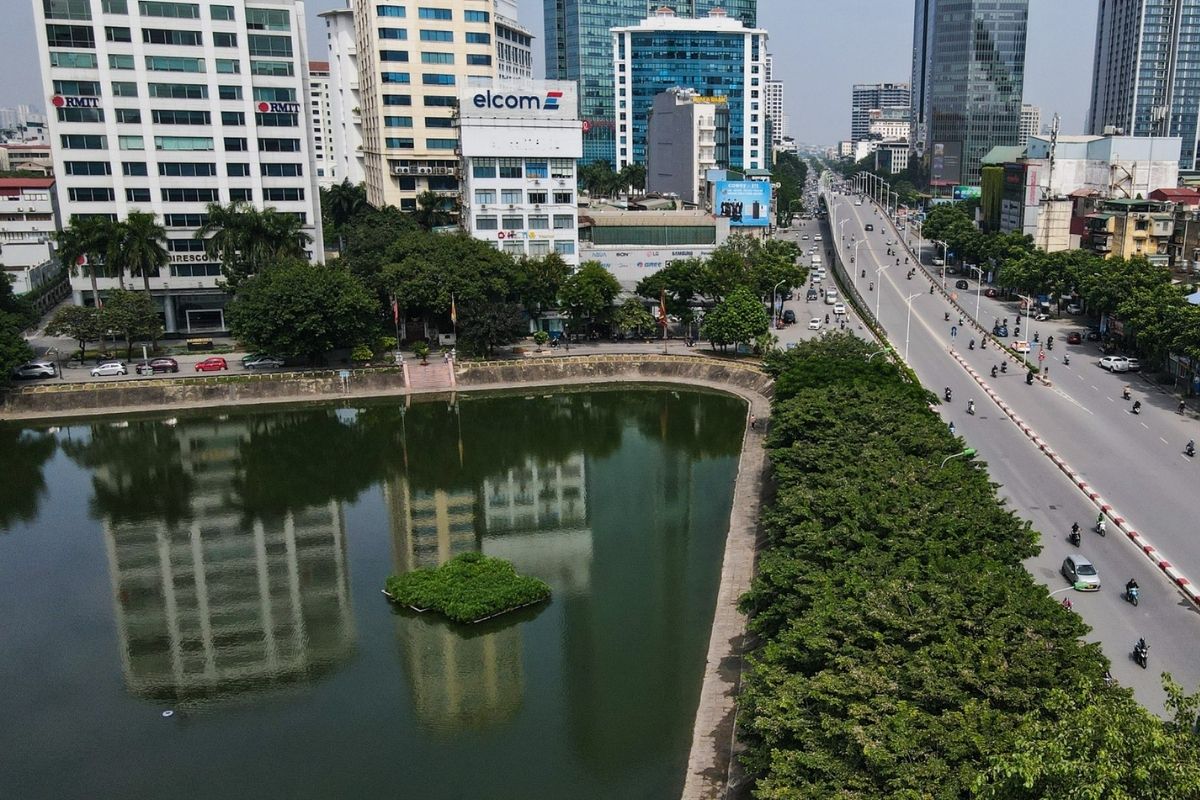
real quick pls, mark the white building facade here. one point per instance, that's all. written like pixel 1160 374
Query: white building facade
pixel 773 102
pixel 1031 123
pixel 28 218
pixel 320 113
pixel 520 143
pixel 514 44
pixel 166 107
pixel 345 105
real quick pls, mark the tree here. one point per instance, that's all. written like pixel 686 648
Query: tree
pixel 632 316
pixel 537 282
pixel 302 310
pixel 484 326
pixel 589 294
pixel 15 316
pixel 340 204
pixel 82 245
pixel 245 240
pixel 632 177
pixel 425 271
pixel 140 240
pixel 80 323
pixel 739 318
pixel 433 210
pixel 134 315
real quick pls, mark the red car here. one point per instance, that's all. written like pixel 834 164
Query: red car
pixel 1074 338
pixel 213 364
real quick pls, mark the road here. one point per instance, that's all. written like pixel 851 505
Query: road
pixel 1135 462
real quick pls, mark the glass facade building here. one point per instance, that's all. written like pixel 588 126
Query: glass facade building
pixel 579 48
pixel 967 81
pixel 661 54
pixel 1146 75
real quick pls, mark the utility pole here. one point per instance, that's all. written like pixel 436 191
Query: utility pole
pixel 1049 186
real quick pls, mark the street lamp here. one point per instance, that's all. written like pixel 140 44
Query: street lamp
pixel 907 322
pixel 978 289
pixel 945 255
pixel 774 312
pixel 879 292
pixel 840 224
pixel 968 453
pixel 854 263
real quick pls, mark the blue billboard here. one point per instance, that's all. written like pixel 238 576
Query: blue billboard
pixel 745 204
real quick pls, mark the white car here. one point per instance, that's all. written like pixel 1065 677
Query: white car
pixel 814 324
pixel 817 238
pixel 109 368
pixel 839 309
pixel 1115 363
pixel 937 261
pixel 804 236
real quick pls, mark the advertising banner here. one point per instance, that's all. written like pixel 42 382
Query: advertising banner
pixel 966 192
pixel 745 204
pixel 945 164
pixel 519 99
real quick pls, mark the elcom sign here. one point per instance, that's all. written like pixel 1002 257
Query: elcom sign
pixel 490 99
pixel 66 101
pixel 524 99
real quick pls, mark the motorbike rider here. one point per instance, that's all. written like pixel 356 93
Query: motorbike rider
pixel 1137 406
pixel 1190 449
pixel 971 345
pixel 946 394
pixel 1004 366
pixel 1125 392
pixel 945 316
pixel 1100 523
pixel 995 369
pixel 1131 586
pixel 1066 361
pixel 970 406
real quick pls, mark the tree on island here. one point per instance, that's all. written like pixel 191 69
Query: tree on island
pixel 739 319
pixel 589 295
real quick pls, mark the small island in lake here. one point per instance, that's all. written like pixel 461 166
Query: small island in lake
pixel 470 587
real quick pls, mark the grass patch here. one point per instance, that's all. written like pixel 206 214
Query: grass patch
pixel 468 588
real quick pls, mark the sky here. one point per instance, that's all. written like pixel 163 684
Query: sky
pixel 821 48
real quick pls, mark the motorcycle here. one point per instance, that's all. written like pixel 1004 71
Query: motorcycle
pixel 1141 652
pixel 1132 593
pixel 1137 406
pixel 945 316
pixel 971 407
pixel 1190 449
pixel 1029 379
pixel 946 394
pixel 1066 361
pixel 1125 392
pixel 1101 527
pixel 1073 536
pixel 1004 367
pixel 994 370
pixel 971 345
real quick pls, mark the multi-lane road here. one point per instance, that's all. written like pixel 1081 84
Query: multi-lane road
pixel 1135 462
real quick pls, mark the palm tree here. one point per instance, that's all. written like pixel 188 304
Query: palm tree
pixel 142 245
pixel 246 240
pixel 431 210
pixel 282 235
pixel 344 201
pixel 84 244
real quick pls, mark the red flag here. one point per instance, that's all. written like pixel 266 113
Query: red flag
pixel 453 311
pixel 662 307
pixel 395 311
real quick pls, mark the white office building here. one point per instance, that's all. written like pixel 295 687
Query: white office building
pixel 345 104
pixel 166 107
pixel 28 218
pixel 773 102
pixel 514 44
pixel 320 114
pixel 520 141
pixel 1031 123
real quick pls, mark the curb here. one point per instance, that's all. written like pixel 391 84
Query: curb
pixel 1150 551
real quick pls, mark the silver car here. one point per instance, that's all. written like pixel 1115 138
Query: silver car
pixel 1081 573
pixel 35 369
pixel 109 368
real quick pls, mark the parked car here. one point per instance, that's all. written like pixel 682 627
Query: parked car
pixel 109 368
pixel 938 261
pixel 157 365
pixel 1074 338
pixel 262 362
pixel 990 292
pixel 868 227
pixel 839 309
pixel 1081 573
pixel 212 364
pixel 789 317
pixel 814 324
pixel 961 285
pixel 1115 363
pixel 1074 308
pixel 1133 365
pixel 35 369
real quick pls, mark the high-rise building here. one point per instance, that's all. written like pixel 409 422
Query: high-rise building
pixel 868 97
pixel 773 103
pixel 166 107
pixel 1031 123
pixel 579 48
pixel 345 151
pixel 1146 73
pixel 968 75
pixel 687 136
pixel 320 114
pixel 514 44
pixel 660 53
pixel 412 59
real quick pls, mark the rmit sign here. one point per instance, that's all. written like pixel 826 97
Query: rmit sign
pixel 524 102
pixel 64 101
pixel 279 108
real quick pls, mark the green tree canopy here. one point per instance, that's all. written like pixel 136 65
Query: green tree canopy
pixel 81 323
pixel 487 325
pixel 738 319
pixel 588 294
pixel 133 316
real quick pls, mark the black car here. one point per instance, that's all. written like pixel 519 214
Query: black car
pixel 869 227
pixel 157 365
pixel 1000 330
pixel 789 317
pixel 811 295
pixel 961 285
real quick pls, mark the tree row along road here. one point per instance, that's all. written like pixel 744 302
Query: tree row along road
pixel 1134 462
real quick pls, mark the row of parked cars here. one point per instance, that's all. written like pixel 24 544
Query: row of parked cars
pixel 111 367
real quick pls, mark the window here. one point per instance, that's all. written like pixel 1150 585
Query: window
pixel 192 195
pixel 183 143
pixel 539 247
pixel 171 37
pixel 137 195
pixel 120 61
pixel 483 168
pixel 487 223
pixel 562 168
pixel 279 145
pixel 266 19
pixel 87 167
pixel 177 91
pixel 441 144
pixel 237 169
pixel 229 92
pixel 399 143
pixel 274 94
pixel 114 6
pixel 397 122
pixel 235 144
pixel 187 169
pixel 439 101
pixel 437 58
pixel 282 195
pixel 91 194
pixel 564 247
pixel 535 169
pixel 485 196
pixel 434 13
pixel 476 16
pixel 397 100
pixel 439 122
pixel 233 118
pixel 478 60
pixel 153 8
pixel 195 270
pixel 224 39
pixel 115 34
pixel 185 245
pixel 124 89
pixel 276 69
pixel 60 58
pixel 131 143
pixel 393 55
pixel 67 9
pixel 174 64
pixel 436 36
pixel 539 222
pixel 479 38
pixel 281 170
pixel 511 196
pixel 228 66
pixel 129 116
pixel 514 248
pixel 399 34
pixel 184 220
pixel 512 222
pixel 80 36
pixel 564 198
pixel 389 11
pixel 563 222
pixel 437 79
pixel 222 12
pixel 84 88
pixel 270 46
pixel 510 167
pixel 180 117
pixel 276 120
pixel 539 198
pixel 394 77
pixel 134 168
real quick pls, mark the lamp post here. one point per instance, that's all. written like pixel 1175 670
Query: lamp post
pixel 907 322
pixel 978 290
pixel 774 306
pixel 840 224
pixel 879 279
pixel 968 453
pixel 1028 327
pixel 945 255
pixel 854 263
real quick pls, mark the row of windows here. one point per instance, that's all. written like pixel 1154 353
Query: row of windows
pixel 537 247
pixel 430 100
pixel 81 9
pixel 82 141
pixel 512 222
pixel 407 143
pixel 517 196
pixel 559 168
pixel 224 66
pixel 407 122
pixel 398 12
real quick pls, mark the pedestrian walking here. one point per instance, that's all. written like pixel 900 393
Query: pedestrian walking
pixel 753 422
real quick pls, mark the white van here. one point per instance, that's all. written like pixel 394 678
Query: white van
pixel 816 260
pixel 831 296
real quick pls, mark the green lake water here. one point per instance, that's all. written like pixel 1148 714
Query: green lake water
pixel 227 567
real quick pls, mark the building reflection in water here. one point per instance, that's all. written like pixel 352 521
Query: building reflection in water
pixel 223 603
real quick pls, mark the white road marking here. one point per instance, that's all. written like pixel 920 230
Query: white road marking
pixel 1164 441
pixel 1144 425
pixel 1095 388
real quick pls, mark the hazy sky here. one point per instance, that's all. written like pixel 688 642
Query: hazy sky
pixel 821 48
